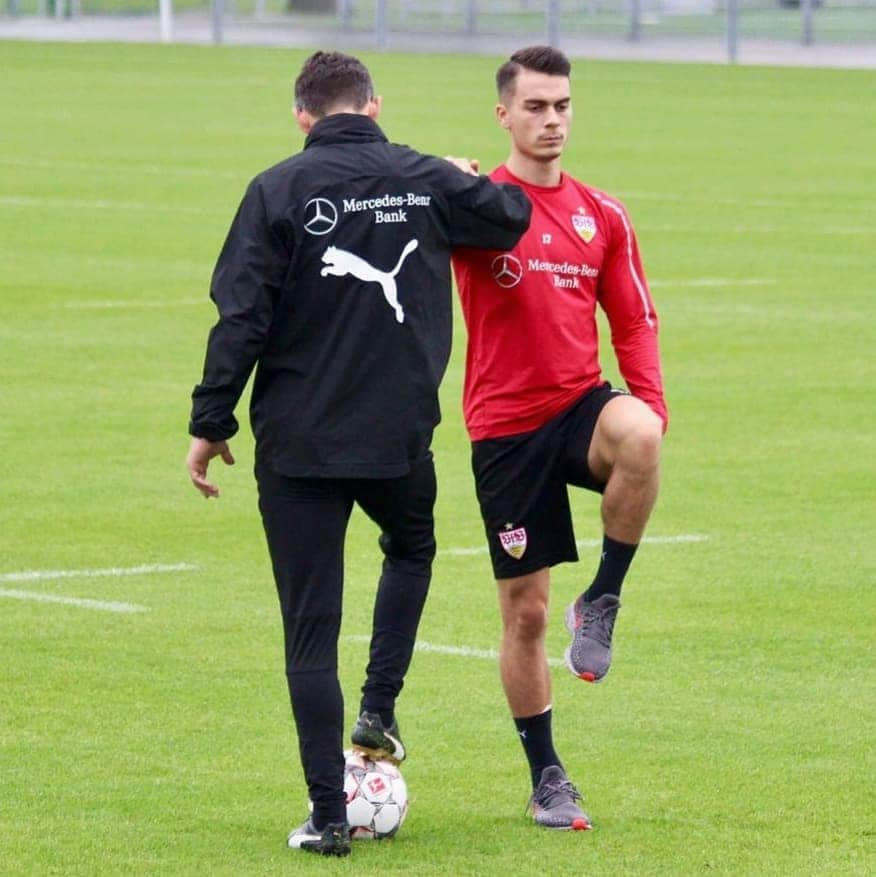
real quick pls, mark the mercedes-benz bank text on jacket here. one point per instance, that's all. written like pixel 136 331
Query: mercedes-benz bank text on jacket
pixel 335 281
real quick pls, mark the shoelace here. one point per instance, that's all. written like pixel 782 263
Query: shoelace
pixel 600 623
pixel 547 793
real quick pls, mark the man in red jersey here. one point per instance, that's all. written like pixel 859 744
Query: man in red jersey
pixel 540 415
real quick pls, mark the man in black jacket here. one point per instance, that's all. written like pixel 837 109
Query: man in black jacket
pixel 334 283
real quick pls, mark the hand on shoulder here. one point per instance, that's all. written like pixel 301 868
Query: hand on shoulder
pixel 468 166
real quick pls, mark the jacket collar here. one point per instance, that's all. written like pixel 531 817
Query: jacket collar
pixel 344 128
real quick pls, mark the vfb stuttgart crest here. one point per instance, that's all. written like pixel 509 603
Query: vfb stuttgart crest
pixel 513 540
pixel 584 224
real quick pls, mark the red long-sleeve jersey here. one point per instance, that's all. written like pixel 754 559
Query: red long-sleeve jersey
pixel 533 345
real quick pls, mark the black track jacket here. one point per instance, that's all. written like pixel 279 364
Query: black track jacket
pixel 335 280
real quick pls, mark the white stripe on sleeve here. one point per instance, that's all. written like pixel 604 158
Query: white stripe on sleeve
pixel 640 286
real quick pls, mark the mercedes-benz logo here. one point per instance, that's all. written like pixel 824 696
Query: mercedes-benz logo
pixel 507 270
pixel 320 216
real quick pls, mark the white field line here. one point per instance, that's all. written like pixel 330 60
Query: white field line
pixel 82 204
pixel 681 539
pixel 128 170
pixel 788 202
pixel 815 230
pixel 776 315
pixel 121 304
pixel 456 651
pixel 135 168
pixel 714 281
pixel 141 206
pixel 39 575
pixel 82 602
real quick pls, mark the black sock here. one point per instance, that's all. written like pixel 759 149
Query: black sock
pixel 538 743
pixel 616 560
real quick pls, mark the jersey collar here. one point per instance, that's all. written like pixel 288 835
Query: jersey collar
pixel 344 128
pixel 524 184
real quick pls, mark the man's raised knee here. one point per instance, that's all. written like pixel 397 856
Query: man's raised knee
pixel 641 445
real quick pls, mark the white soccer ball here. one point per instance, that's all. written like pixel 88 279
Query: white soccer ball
pixel 377 796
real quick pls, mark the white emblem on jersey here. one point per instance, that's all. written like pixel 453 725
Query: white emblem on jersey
pixel 507 270
pixel 320 216
pixel 339 263
pixel 584 224
pixel 513 541
pixel 546 238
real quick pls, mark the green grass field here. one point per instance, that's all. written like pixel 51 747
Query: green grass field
pixel 735 732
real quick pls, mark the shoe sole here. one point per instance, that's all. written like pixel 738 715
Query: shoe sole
pixel 311 844
pixel 578 824
pixel 376 748
pixel 586 676
pixel 326 844
pixel 377 753
pixel 319 851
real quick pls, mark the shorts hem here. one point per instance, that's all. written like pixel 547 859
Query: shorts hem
pixel 535 564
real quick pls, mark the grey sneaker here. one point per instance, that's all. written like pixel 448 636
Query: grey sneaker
pixel 333 840
pixel 591 626
pixel 553 802
pixel 373 738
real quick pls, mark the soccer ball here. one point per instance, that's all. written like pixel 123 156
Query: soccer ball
pixel 377 796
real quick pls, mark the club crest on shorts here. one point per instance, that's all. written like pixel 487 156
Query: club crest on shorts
pixel 513 540
pixel 584 224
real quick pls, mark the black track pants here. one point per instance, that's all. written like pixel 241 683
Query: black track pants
pixel 305 521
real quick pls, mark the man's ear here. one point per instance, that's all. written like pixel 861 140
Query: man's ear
pixel 374 107
pixel 502 116
pixel 305 120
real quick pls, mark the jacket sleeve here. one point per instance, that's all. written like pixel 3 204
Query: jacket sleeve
pixel 246 283
pixel 624 296
pixel 485 214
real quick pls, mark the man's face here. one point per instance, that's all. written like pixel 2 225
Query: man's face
pixel 538 114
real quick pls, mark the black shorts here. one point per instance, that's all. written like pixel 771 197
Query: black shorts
pixel 522 485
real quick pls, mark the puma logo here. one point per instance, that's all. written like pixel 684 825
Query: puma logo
pixel 339 263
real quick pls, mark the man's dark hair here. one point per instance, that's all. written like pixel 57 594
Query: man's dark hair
pixel 331 79
pixel 541 59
